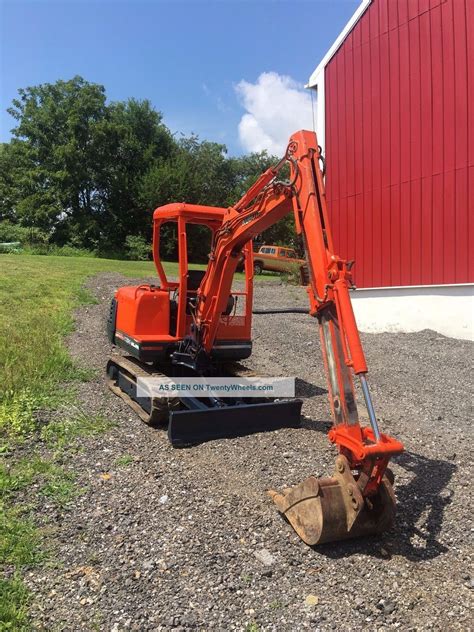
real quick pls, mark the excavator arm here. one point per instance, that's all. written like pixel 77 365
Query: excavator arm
pixel 359 498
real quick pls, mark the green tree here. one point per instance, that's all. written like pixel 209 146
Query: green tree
pixel 198 172
pixel 132 140
pixel 53 152
pixel 74 164
pixel 88 173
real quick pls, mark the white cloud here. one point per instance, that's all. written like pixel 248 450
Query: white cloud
pixel 276 107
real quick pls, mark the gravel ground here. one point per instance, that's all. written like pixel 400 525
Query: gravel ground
pixel 181 539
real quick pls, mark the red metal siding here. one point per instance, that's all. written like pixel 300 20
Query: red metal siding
pixel 400 143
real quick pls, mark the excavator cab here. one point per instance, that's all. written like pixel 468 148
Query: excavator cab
pixel 149 321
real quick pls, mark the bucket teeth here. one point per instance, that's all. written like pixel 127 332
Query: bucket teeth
pixel 329 509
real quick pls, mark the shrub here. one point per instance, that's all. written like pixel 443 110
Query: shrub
pixel 25 235
pixel 13 247
pixel 59 251
pixel 137 248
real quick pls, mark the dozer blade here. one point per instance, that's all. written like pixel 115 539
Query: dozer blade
pixel 190 427
pixel 330 509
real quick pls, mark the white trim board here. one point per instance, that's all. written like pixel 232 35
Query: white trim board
pixel 320 112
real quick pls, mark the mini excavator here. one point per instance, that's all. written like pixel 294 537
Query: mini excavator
pixel 191 327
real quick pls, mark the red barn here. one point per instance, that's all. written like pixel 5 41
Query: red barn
pixel 395 116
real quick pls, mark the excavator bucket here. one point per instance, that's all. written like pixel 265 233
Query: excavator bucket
pixel 329 509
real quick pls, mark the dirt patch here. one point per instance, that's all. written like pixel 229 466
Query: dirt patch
pixel 176 539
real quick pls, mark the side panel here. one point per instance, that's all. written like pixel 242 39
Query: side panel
pixel 399 135
pixel 142 312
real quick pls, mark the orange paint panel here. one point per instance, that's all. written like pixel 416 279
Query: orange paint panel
pixel 142 312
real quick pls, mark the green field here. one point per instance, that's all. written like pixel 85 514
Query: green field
pixel 37 296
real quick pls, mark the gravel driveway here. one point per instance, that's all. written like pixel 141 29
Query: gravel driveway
pixel 167 539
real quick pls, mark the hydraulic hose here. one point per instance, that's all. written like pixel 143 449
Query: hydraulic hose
pixel 282 310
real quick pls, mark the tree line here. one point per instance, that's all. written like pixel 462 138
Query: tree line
pixel 84 173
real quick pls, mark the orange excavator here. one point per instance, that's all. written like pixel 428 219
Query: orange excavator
pixel 192 327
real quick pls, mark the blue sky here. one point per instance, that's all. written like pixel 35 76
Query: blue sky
pixel 199 62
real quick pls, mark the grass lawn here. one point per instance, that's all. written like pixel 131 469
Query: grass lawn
pixel 37 297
